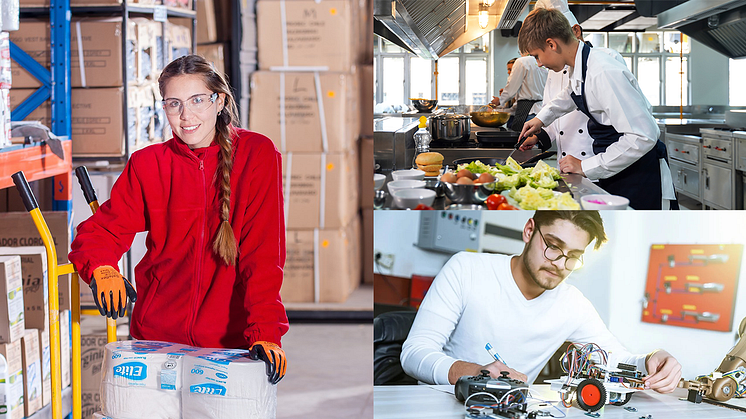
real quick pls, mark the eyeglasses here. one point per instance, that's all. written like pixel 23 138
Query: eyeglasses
pixel 554 253
pixel 197 104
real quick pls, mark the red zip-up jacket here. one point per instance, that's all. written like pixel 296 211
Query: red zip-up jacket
pixel 185 293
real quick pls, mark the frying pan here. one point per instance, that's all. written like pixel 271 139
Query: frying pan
pixel 493 161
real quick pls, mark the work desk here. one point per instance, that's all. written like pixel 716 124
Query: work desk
pixel 438 402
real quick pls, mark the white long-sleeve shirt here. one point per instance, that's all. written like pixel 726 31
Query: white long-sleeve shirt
pixel 614 98
pixel 526 81
pixel 474 300
pixel 570 131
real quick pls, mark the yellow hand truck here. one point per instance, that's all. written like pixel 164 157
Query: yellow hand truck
pixel 54 271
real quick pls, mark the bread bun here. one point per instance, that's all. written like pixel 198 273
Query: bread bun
pixel 430 168
pixel 432 174
pixel 430 158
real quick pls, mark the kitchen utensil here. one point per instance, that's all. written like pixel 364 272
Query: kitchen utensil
pixel 489 118
pixel 470 207
pixel 405 184
pixel 493 161
pixel 468 194
pixel 517 146
pixel 409 174
pixel 450 127
pixel 410 198
pixel 424 105
pixel 503 138
pixel 378 181
pixel 379 200
pixel 604 202
pixel 434 185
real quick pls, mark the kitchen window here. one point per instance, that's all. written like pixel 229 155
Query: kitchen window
pixel 659 61
pixel 463 75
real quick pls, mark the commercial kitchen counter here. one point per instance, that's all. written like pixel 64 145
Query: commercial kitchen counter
pixel 579 186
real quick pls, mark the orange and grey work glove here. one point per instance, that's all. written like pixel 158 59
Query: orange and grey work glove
pixel 273 356
pixel 110 291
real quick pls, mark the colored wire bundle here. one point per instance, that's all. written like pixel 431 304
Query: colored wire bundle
pixel 579 359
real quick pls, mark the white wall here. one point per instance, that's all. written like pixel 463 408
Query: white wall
pixel 699 351
pixel 396 232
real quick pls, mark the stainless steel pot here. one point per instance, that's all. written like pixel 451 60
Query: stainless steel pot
pixel 450 127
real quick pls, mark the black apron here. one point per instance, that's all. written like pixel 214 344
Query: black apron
pixel 522 110
pixel 641 181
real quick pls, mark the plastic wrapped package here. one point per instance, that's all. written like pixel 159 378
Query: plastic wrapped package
pixel 142 379
pixel 9 15
pixel 167 380
pixel 5 72
pixel 226 384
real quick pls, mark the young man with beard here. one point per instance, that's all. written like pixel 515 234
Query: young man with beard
pixel 522 307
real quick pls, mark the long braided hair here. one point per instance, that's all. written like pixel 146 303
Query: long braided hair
pixel 225 245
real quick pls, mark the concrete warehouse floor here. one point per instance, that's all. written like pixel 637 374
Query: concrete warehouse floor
pixel 330 372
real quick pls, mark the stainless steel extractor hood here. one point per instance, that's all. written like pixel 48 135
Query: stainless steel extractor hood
pixel 433 28
pixel 719 24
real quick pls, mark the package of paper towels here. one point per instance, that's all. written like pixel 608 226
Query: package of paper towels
pixel 162 380
pixel 226 383
pixel 142 379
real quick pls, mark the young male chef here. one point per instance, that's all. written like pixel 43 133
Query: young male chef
pixel 570 131
pixel 625 135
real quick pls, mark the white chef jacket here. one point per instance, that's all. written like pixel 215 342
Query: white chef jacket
pixel 570 131
pixel 526 82
pixel 614 98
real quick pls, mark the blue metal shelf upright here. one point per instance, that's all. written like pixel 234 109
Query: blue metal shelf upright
pixel 55 86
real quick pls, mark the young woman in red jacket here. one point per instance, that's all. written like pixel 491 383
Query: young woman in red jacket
pixel 211 201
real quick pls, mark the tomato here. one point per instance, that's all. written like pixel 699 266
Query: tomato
pixel 493 201
pixel 423 207
pixel 505 206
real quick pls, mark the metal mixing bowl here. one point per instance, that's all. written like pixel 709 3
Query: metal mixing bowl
pixel 424 105
pixel 469 194
pixel 489 119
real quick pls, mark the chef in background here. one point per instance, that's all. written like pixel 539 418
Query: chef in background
pixel 526 85
pixel 510 106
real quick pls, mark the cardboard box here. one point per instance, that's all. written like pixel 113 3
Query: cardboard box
pixel 179 40
pixel 91 403
pixel 317 33
pixel 338 270
pixel 367 100
pixel 214 53
pixel 12 323
pixel 102 52
pixel 367 169
pixel 66 348
pixel 308 195
pixel 207 30
pixel 35 290
pixel 45 355
pixel 17 229
pixel 145 36
pixel 97 120
pixel 32 375
pixel 301 112
pixel 367 245
pixel 14 389
pixel 92 343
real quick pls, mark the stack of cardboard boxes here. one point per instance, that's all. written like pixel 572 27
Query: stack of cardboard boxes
pixel 97 78
pixel 306 99
pixel 208 43
pixel 5 83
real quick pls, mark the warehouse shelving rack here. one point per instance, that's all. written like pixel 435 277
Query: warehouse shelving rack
pixel 159 13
